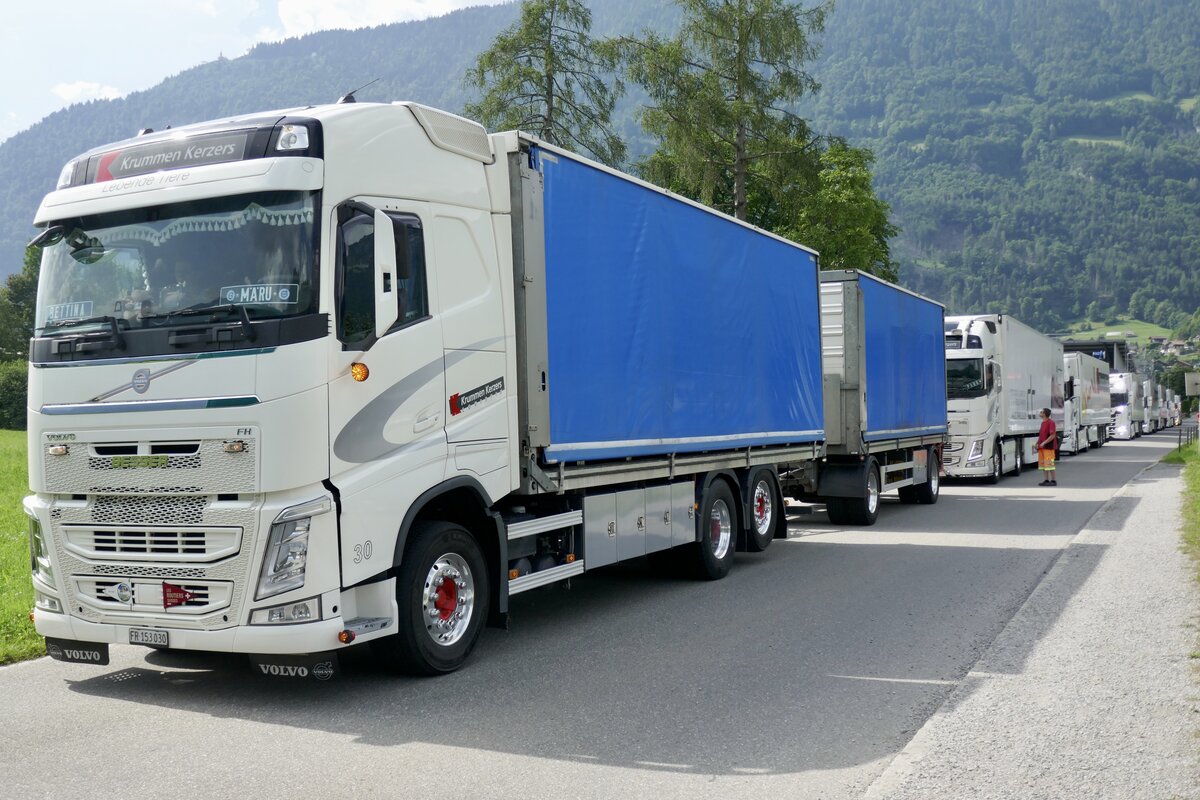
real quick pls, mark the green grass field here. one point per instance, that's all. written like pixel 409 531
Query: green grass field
pixel 1142 330
pixel 18 640
pixel 1186 106
pixel 1110 141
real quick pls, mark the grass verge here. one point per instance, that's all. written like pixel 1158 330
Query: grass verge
pixel 1189 457
pixel 18 640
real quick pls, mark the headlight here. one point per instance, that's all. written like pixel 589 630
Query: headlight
pixel 45 602
pixel 289 613
pixel 976 450
pixel 292 137
pixel 67 176
pixel 39 555
pixel 287 549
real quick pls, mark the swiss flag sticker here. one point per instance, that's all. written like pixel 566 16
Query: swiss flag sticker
pixel 175 595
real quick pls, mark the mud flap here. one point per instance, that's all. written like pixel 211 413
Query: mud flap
pixel 77 652
pixel 308 666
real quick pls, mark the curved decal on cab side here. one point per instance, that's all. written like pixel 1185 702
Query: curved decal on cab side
pixel 362 439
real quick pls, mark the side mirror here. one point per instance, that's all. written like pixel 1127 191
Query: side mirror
pixel 386 309
pixel 1069 389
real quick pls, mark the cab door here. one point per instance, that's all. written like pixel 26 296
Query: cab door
pixel 387 415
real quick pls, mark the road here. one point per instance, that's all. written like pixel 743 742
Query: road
pixel 803 674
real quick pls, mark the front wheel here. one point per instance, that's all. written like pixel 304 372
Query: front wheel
pixel 862 510
pixel 927 492
pixel 715 528
pixel 997 464
pixel 442 593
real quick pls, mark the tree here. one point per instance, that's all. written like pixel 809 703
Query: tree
pixel 721 93
pixel 18 300
pixel 544 74
pixel 843 220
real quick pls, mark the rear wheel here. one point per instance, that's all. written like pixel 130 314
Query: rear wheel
pixel 442 593
pixel 713 550
pixel 766 512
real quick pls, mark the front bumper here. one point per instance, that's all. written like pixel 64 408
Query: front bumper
pixel 309 637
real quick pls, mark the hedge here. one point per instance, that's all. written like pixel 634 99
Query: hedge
pixel 14 386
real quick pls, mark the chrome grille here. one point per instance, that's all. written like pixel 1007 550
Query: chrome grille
pixel 121 543
pixel 167 468
pixel 105 593
pixel 149 509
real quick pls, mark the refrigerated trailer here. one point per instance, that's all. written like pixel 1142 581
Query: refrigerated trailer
pixel 999 374
pixel 1087 409
pixel 360 373
pixel 1150 405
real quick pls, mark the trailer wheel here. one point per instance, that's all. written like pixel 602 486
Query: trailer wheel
pixel 997 464
pixel 442 593
pixel 927 492
pixel 717 529
pixel 765 513
pixel 862 510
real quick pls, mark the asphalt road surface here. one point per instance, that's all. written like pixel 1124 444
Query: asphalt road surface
pixel 802 674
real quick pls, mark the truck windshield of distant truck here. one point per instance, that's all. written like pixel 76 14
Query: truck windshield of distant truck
pixel 964 378
pixel 1119 398
pixel 147 268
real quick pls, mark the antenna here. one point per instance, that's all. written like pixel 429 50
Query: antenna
pixel 348 97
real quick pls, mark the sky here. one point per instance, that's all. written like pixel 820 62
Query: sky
pixel 58 52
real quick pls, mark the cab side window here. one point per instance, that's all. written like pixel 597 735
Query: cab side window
pixel 356 275
pixel 412 295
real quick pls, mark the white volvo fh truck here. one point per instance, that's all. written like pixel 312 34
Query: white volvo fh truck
pixel 1128 406
pixel 359 373
pixel 999 374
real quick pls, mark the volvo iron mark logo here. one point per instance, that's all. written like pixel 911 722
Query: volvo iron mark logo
pixel 141 381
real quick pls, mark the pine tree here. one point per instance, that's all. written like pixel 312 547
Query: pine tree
pixel 546 75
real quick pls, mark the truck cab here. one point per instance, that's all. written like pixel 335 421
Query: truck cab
pixel 974 381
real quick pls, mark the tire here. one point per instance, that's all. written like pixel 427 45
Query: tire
pixel 862 510
pixel 908 495
pixel 1016 470
pixel 716 528
pixel 766 512
pixel 997 465
pixel 927 492
pixel 439 622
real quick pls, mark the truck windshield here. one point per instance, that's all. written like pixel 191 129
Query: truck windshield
pixel 1119 399
pixel 141 267
pixel 964 378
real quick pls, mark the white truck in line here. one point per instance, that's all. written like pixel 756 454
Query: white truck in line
pixel 359 373
pixel 999 374
pixel 1087 409
pixel 1128 405
pixel 1151 400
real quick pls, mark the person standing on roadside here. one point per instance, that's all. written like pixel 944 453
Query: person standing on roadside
pixel 1047 447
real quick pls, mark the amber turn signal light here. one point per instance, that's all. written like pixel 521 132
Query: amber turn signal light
pixel 359 371
pixel 346 637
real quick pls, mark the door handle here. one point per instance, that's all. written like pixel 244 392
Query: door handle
pixel 427 420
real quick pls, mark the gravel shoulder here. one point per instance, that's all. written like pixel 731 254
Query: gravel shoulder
pixel 1090 691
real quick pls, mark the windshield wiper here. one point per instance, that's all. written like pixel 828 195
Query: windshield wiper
pixel 82 342
pixel 227 308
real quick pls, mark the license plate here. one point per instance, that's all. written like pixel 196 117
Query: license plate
pixel 149 637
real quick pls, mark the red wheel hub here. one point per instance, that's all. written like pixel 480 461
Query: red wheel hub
pixel 760 507
pixel 446 601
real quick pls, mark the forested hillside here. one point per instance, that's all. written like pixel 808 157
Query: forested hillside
pixel 1041 158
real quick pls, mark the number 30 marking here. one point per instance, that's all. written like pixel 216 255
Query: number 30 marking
pixel 363 551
